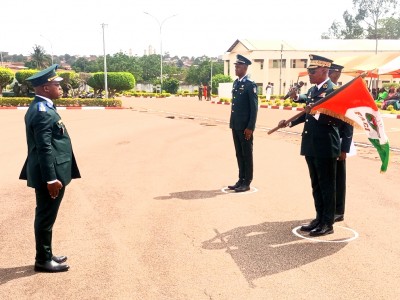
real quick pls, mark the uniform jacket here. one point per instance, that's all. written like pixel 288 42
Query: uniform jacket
pixel 50 154
pixel 320 137
pixel 244 105
pixel 346 135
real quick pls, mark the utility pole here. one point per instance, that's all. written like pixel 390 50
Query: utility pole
pixel 280 72
pixel 105 63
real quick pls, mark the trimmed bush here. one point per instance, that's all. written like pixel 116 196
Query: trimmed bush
pixel 26 101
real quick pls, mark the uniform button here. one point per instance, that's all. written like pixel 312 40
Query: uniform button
pixel 233 104
pixel 233 111
pixel 307 120
pixel 305 131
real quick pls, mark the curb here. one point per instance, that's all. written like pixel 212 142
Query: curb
pixel 389 116
pixel 66 107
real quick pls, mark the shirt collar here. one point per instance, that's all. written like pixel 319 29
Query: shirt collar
pixel 322 83
pixel 241 79
pixel 48 101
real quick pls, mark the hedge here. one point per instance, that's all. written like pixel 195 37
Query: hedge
pixel 25 101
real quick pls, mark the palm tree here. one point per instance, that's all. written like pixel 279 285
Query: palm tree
pixel 39 58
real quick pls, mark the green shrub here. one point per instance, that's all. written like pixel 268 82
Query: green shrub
pixel 25 101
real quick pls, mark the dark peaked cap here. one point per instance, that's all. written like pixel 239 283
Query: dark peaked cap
pixel 335 67
pixel 45 76
pixel 241 60
pixel 317 61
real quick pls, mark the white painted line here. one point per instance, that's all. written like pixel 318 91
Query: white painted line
pixel 228 191
pixel 355 233
pixel 23 107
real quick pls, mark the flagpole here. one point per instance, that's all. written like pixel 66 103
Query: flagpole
pixel 316 103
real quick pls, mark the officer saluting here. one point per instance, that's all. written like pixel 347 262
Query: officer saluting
pixel 50 164
pixel 243 122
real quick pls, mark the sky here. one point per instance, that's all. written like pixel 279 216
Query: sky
pixel 189 28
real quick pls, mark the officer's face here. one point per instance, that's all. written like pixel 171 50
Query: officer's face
pixel 317 75
pixel 52 90
pixel 334 76
pixel 240 70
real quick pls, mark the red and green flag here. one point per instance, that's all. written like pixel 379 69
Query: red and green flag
pixel 354 104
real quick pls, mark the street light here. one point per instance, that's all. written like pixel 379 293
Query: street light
pixel 105 63
pixel 161 54
pixel 51 46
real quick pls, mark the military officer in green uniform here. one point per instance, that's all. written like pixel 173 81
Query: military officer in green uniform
pixel 346 136
pixel 50 164
pixel 243 122
pixel 320 145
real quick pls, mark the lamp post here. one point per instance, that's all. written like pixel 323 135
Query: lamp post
pixel 1 56
pixel 160 24
pixel 51 46
pixel 105 63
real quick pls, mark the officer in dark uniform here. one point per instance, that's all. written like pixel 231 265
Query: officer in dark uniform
pixel 50 164
pixel 243 122
pixel 320 145
pixel 346 136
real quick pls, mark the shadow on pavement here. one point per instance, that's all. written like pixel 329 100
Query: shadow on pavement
pixel 192 195
pixel 269 248
pixel 8 274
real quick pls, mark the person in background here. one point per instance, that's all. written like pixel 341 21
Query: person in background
pixel 382 95
pixel 243 122
pixel 268 91
pixel 208 92
pixel 50 164
pixel 200 92
pixel 205 91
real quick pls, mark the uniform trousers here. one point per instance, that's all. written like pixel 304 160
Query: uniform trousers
pixel 244 155
pixel 340 187
pixel 45 216
pixel 323 181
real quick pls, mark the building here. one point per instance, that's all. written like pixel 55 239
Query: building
pixel 284 63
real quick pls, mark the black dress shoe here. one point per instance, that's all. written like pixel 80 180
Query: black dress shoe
pixel 59 259
pixel 310 226
pixel 236 185
pixel 322 229
pixel 51 267
pixel 242 188
pixel 339 218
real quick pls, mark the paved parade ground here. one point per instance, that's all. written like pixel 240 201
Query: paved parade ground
pixel 151 218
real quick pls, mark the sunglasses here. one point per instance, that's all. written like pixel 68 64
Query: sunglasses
pixel 311 71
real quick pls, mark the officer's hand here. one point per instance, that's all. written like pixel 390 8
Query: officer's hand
pixel 248 133
pixel 293 93
pixel 282 124
pixel 308 108
pixel 342 156
pixel 54 188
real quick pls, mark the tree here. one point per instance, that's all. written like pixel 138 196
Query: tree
pixel 116 82
pixel 171 85
pixel 69 82
pixel 367 21
pixel 201 73
pixel 21 77
pixel 6 77
pixel 217 79
pixel 39 58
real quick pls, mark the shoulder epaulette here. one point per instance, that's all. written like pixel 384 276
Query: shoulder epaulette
pixel 41 106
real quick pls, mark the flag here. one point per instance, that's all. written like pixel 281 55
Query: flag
pixel 354 104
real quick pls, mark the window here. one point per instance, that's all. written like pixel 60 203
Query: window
pixel 261 62
pixel 276 63
pixel 298 63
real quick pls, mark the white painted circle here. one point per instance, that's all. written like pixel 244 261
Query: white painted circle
pixel 228 191
pixel 355 233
